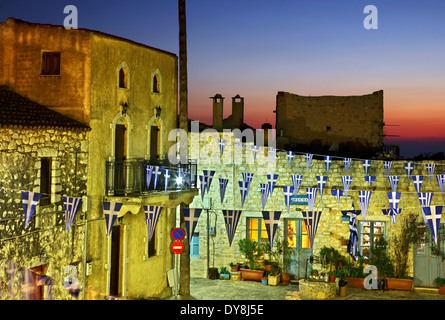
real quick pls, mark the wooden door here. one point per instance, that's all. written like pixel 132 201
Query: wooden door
pixel 115 263
pixel 297 239
pixel 154 136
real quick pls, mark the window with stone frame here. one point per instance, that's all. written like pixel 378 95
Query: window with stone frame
pixel 123 78
pixel 156 83
pixel 50 63
pixel 256 230
pixel 369 232
pixel 45 180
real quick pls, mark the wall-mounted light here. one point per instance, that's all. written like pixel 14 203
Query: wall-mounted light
pixel 158 111
pixel 124 107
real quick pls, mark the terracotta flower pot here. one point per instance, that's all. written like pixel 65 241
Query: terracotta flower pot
pixel 356 283
pixel 442 289
pixel 399 284
pixel 285 277
pixel 255 275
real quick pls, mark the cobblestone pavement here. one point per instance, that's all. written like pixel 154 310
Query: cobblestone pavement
pixel 205 289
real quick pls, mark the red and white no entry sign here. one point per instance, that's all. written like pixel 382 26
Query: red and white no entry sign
pixel 177 247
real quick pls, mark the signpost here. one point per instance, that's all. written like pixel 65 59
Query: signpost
pixel 177 247
pixel 299 200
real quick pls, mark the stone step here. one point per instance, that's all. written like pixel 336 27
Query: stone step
pixel 426 290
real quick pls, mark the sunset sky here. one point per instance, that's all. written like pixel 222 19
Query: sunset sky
pixel 309 47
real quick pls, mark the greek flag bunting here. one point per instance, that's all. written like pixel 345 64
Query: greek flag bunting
pixel 29 201
pixel 370 179
pixel 417 180
pixel 208 178
pixel 296 181
pixel 311 219
pixel 152 214
pixel 387 167
pixel 247 176
pixel 321 180
pixel 221 142
pixel 244 189
pixel 202 186
pixel 394 182
pixel 425 198
pixel 433 215
pixel 364 197
pixel 239 144
pixel 353 236
pixel 148 170
pixel 346 180
pixel 272 153
pixel 264 193
pixel 409 166
pixel 222 188
pixel 290 157
pixel 441 182
pixel 288 192
pixel 191 217
pixel 308 157
pixel 311 197
pixel 394 199
pixel 366 166
pixel 393 213
pixel 327 162
pixel 71 206
pixel 254 151
pixel 231 218
pixel 156 172
pixel 271 219
pixel 337 193
pixel 272 180
pixel 167 174
pixel 111 210
pixel 430 169
pixel 347 164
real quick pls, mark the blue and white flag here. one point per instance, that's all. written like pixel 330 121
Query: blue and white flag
pixel 311 197
pixel 430 169
pixel 167 174
pixel 111 210
pixel 409 166
pixel 288 192
pixel 394 182
pixel 321 180
pixel 151 218
pixel 148 170
pixel 366 166
pixel 392 213
pixel 244 189
pixel 364 197
pixel 264 193
pixel 417 180
pixel 71 206
pixel 222 188
pixel 327 162
pixel 311 219
pixel 202 186
pixel 191 217
pixel 221 143
pixel 425 198
pixel 387 167
pixel 370 179
pixel 272 180
pixel 255 151
pixel 156 172
pixel 290 157
pixel 231 218
pixel 272 154
pixel 394 199
pixel 441 182
pixel 308 157
pixel 353 236
pixel 247 176
pixel 208 178
pixel 30 201
pixel 337 193
pixel 296 181
pixel 346 180
pixel 432 215
pixel 271 219
pixel 347 164
pixel 239 144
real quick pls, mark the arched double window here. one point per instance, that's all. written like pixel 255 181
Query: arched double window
pixel 123 76
pixel 156 82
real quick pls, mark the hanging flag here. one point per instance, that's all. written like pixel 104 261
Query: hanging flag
pixel 156 172
pixel 208 178
pixel 71 205
pixel 346 180
pixel 231 218
pixel 370 179
pixel 364 197
pixel 417 180
pixel 202 186
pixel 290 157
pixel 353 236
pixel 288 192
pixel 432 216
pixel 393 213
pixel 264 193
pixel 272 153
pixel 272 180
pixel 308 157
pixel 111 210
pixel 394 199
pixel 148 170
pixel 311 197
pixel 244 189
pixel 254 151
pixel 296 181
pixel 321 180
pixel 337 193
pixel 394 182
pixel 441 182
pixel 151 218
pixel 247 176
pixel 29 201
pixel 271 219
pixel 222 188
pixel 366 166
pixel 167 174
pixel 327 162
pixel 221 142
pixel 311 219
pixel 191 217
pixel 425 198
pixel 347 163
pixel 430 169
pixel 409 169
pixel 387 167
pixel 239 144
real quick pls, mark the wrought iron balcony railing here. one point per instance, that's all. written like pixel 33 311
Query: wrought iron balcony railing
pixel 138 176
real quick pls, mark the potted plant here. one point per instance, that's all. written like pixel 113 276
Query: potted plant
pixel 440 282
pixel 381 260
pixel 249 249
pixel 354 273
pixel 234 266
pixel 333 259
pixel 224 273
pixel 265 278
pixel 283 254
pixel 275 274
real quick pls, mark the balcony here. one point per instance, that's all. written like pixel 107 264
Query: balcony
pixel 129 178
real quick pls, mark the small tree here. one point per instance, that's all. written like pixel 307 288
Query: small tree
pixel 381 260
pixel 249 249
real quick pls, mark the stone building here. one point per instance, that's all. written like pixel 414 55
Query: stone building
pixel 126 92
pixel 210 246
pixel 347 125
pixel 45 152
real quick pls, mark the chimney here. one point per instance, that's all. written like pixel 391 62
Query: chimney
pixel 237 111
pixel 217 112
